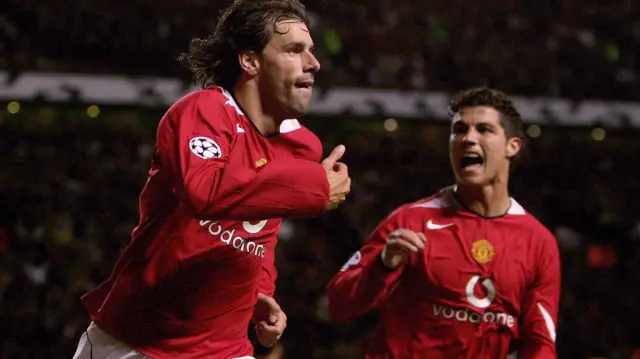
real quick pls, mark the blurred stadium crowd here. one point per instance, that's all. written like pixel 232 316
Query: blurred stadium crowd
pixel 572 49
pixel 69 189
pixel 69 184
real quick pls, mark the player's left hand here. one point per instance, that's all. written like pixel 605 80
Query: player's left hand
pixel 270 320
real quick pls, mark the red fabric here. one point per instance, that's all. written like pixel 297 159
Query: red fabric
pixel 185 287
pixel 481 287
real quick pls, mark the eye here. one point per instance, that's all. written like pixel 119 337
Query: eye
pixel 483 128
pixel 459 128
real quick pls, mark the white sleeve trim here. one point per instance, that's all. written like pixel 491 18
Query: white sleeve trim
pixel 548 321
pixel 289 126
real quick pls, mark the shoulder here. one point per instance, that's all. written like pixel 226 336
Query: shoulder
pixel 303 142
pixel 435 205
pixel 213 105
pixel 539 235
pixel 211 96
pixel 543 238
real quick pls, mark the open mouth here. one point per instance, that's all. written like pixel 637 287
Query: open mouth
pixel 305 85
pixel 471 159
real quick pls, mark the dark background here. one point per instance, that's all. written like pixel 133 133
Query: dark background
pixel 69 183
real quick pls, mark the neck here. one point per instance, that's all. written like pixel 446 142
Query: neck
pixel 488 201
pixel 248 96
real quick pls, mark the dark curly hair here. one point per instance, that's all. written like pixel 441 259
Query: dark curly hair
pixel 511 120
pixel 246 25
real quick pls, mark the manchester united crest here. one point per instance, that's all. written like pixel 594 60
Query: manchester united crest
pixel 482 251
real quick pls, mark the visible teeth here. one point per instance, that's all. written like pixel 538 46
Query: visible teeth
pixel 470 159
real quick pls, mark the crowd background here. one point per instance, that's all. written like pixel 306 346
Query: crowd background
pixel 576 49
pixel 69 182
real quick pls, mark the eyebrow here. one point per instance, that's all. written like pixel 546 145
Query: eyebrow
pixel 460 123
pixel 296 44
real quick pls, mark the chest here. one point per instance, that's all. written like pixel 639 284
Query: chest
pixel 251 152
pixel 475 261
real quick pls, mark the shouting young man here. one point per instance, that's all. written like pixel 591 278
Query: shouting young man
pixel 466 273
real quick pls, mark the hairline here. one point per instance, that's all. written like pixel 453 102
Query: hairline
pixel 502 119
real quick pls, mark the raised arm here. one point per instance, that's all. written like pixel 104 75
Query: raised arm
pixel 210 177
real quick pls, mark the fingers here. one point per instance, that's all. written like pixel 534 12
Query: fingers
pixel 342 174
pixel 267 309
pixel 334 157
pixel 340 184
pixel 269 334
pixel 340 168
pixel 417 239
pixel 276 327
pixel 406 240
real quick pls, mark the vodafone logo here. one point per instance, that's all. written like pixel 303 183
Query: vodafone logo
pixel 228 236
pixel 464 315
pixel 253 228
pixel 481 302
pixel 471 296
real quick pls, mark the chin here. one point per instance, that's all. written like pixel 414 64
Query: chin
pixel 297 110
pixel 470 179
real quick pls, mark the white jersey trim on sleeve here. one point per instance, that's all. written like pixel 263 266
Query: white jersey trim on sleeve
pixel 548 321
pixel 289 126
pixel 516 208
pixel 437 202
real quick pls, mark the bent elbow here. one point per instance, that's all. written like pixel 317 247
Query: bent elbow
pixel 198 206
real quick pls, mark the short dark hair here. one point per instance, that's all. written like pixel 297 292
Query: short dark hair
pixel 246 25
pixel 482 96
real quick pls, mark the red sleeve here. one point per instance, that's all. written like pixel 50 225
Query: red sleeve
pixel 363 281
pixel 269 273
pixel 540 305
pixel 196 145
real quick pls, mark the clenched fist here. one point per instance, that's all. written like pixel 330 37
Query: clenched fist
pixel 338 177
pixel 270 320
pixel 400 245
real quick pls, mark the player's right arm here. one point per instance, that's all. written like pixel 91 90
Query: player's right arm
pixel 370 274
pixel 217 187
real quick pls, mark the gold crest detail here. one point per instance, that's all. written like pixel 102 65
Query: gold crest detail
pixel 482 251
pixel 261 162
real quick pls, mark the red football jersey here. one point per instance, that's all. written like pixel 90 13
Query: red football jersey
pixel 186 285
pixel 480 288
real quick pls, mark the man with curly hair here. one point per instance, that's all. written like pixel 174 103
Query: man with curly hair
pixel 230 161
pixel 468 272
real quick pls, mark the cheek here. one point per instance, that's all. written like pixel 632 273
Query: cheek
pixel 496 150
pixel 293 67
pixel 277 71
